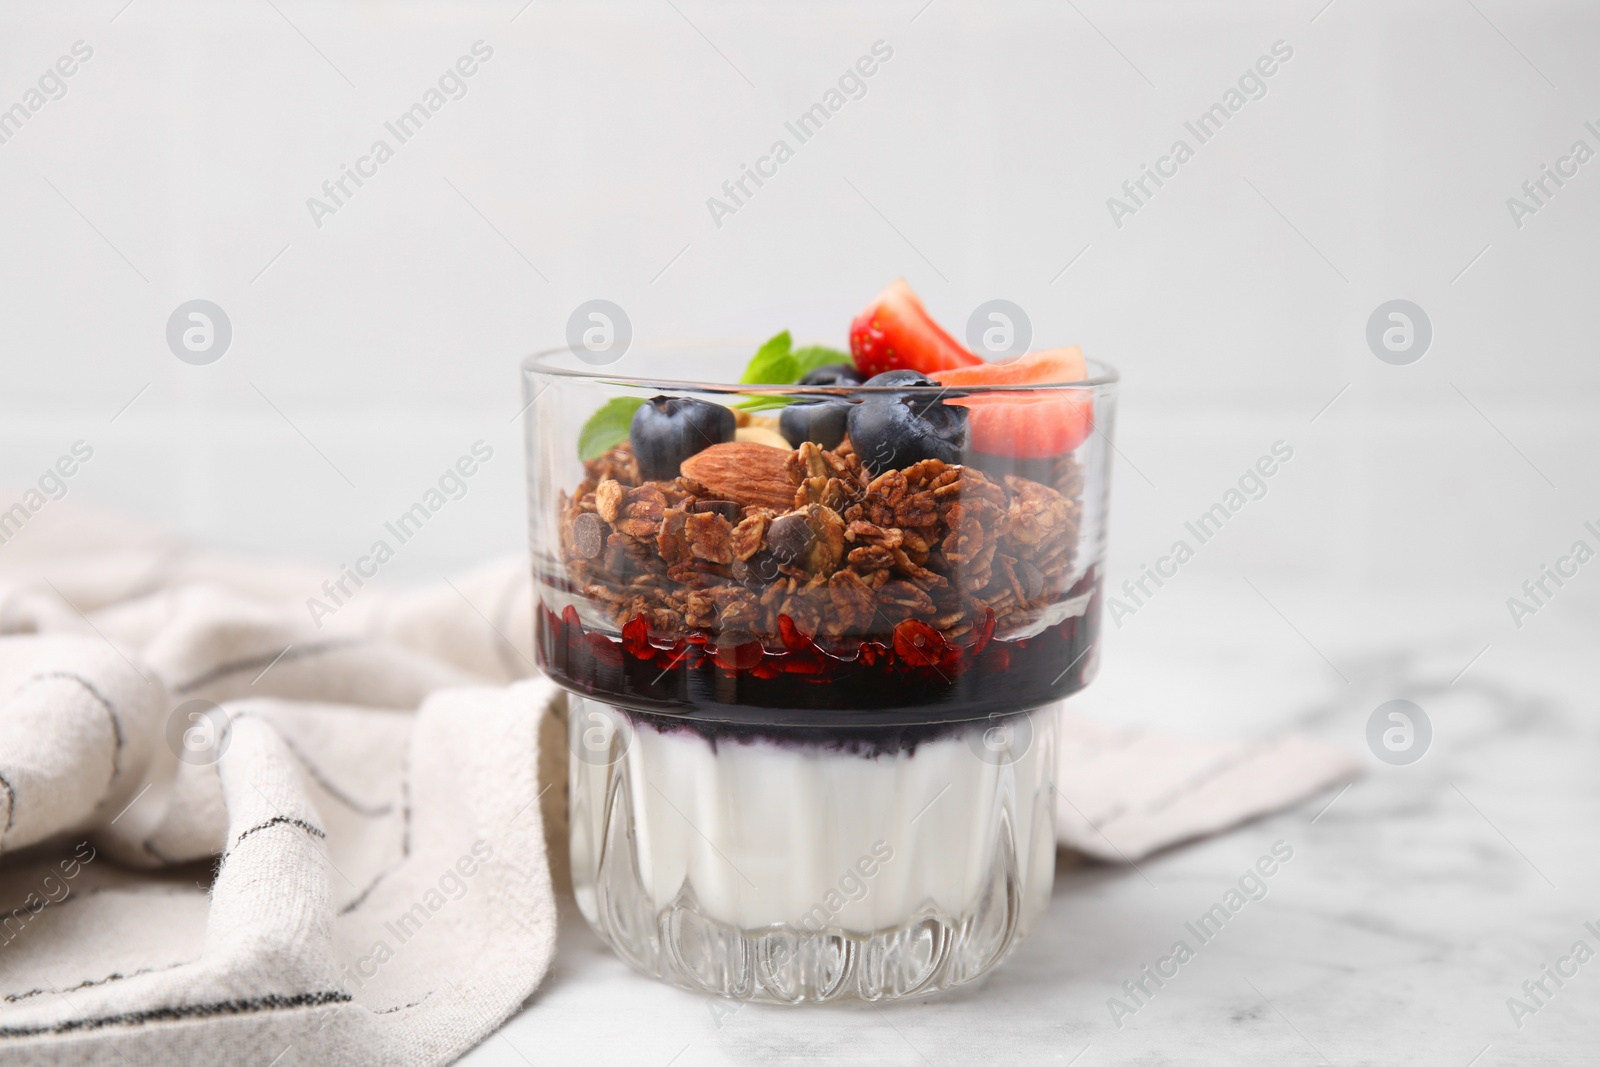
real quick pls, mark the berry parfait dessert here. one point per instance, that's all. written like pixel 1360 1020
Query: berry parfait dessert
pixel 812 610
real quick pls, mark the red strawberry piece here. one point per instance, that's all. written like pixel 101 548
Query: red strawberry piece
pixel 918 644
pixel 896 332
pixel 1047 367
pixel 793 639
pixel 636 638
pixel 1026 425
pixel 1032 425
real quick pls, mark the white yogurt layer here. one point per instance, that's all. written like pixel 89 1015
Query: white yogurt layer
pixel 770 833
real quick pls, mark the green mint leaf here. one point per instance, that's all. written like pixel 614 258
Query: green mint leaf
pixel 777 362
pixel 608 427
pixel 772 364
pixel 811 357
pixel 762 403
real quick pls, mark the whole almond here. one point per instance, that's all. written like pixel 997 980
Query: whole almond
pixel 754 475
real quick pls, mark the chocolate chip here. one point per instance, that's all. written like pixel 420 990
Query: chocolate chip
pixel 757 572
pixel 589 534
pixel 1031 578
pixel 790 537
pixel 728 509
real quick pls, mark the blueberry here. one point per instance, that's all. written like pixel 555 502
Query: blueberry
pixel 822 421
pixel 667 430
pixel 833 374
pixel 891 431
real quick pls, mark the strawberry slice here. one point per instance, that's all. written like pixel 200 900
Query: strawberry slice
pixel 1028 425
pixel 1032 425
pixel 1036 368
pixel 897 333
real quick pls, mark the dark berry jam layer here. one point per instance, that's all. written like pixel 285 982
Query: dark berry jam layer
pixel 911 677
pixel 865 739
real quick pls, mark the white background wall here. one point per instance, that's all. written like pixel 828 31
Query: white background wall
pixel 1377 166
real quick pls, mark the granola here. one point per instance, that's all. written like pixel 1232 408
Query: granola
pixel 851 556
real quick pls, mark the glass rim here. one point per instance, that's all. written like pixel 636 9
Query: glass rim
pixel 1103 375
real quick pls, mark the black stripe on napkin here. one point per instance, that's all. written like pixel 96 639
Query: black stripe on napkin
pixel 280 820
pixel 181 1013
pixel 104 701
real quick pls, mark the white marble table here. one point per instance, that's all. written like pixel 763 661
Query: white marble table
pixel 1413 908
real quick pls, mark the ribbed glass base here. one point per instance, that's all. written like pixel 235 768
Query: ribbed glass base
pixel 791 874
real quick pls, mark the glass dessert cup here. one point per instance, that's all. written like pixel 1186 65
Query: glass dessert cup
pixel 812 689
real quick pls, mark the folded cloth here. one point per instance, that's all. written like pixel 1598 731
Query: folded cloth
pixel 1123 794
pixel 230 836
pixel 251 815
